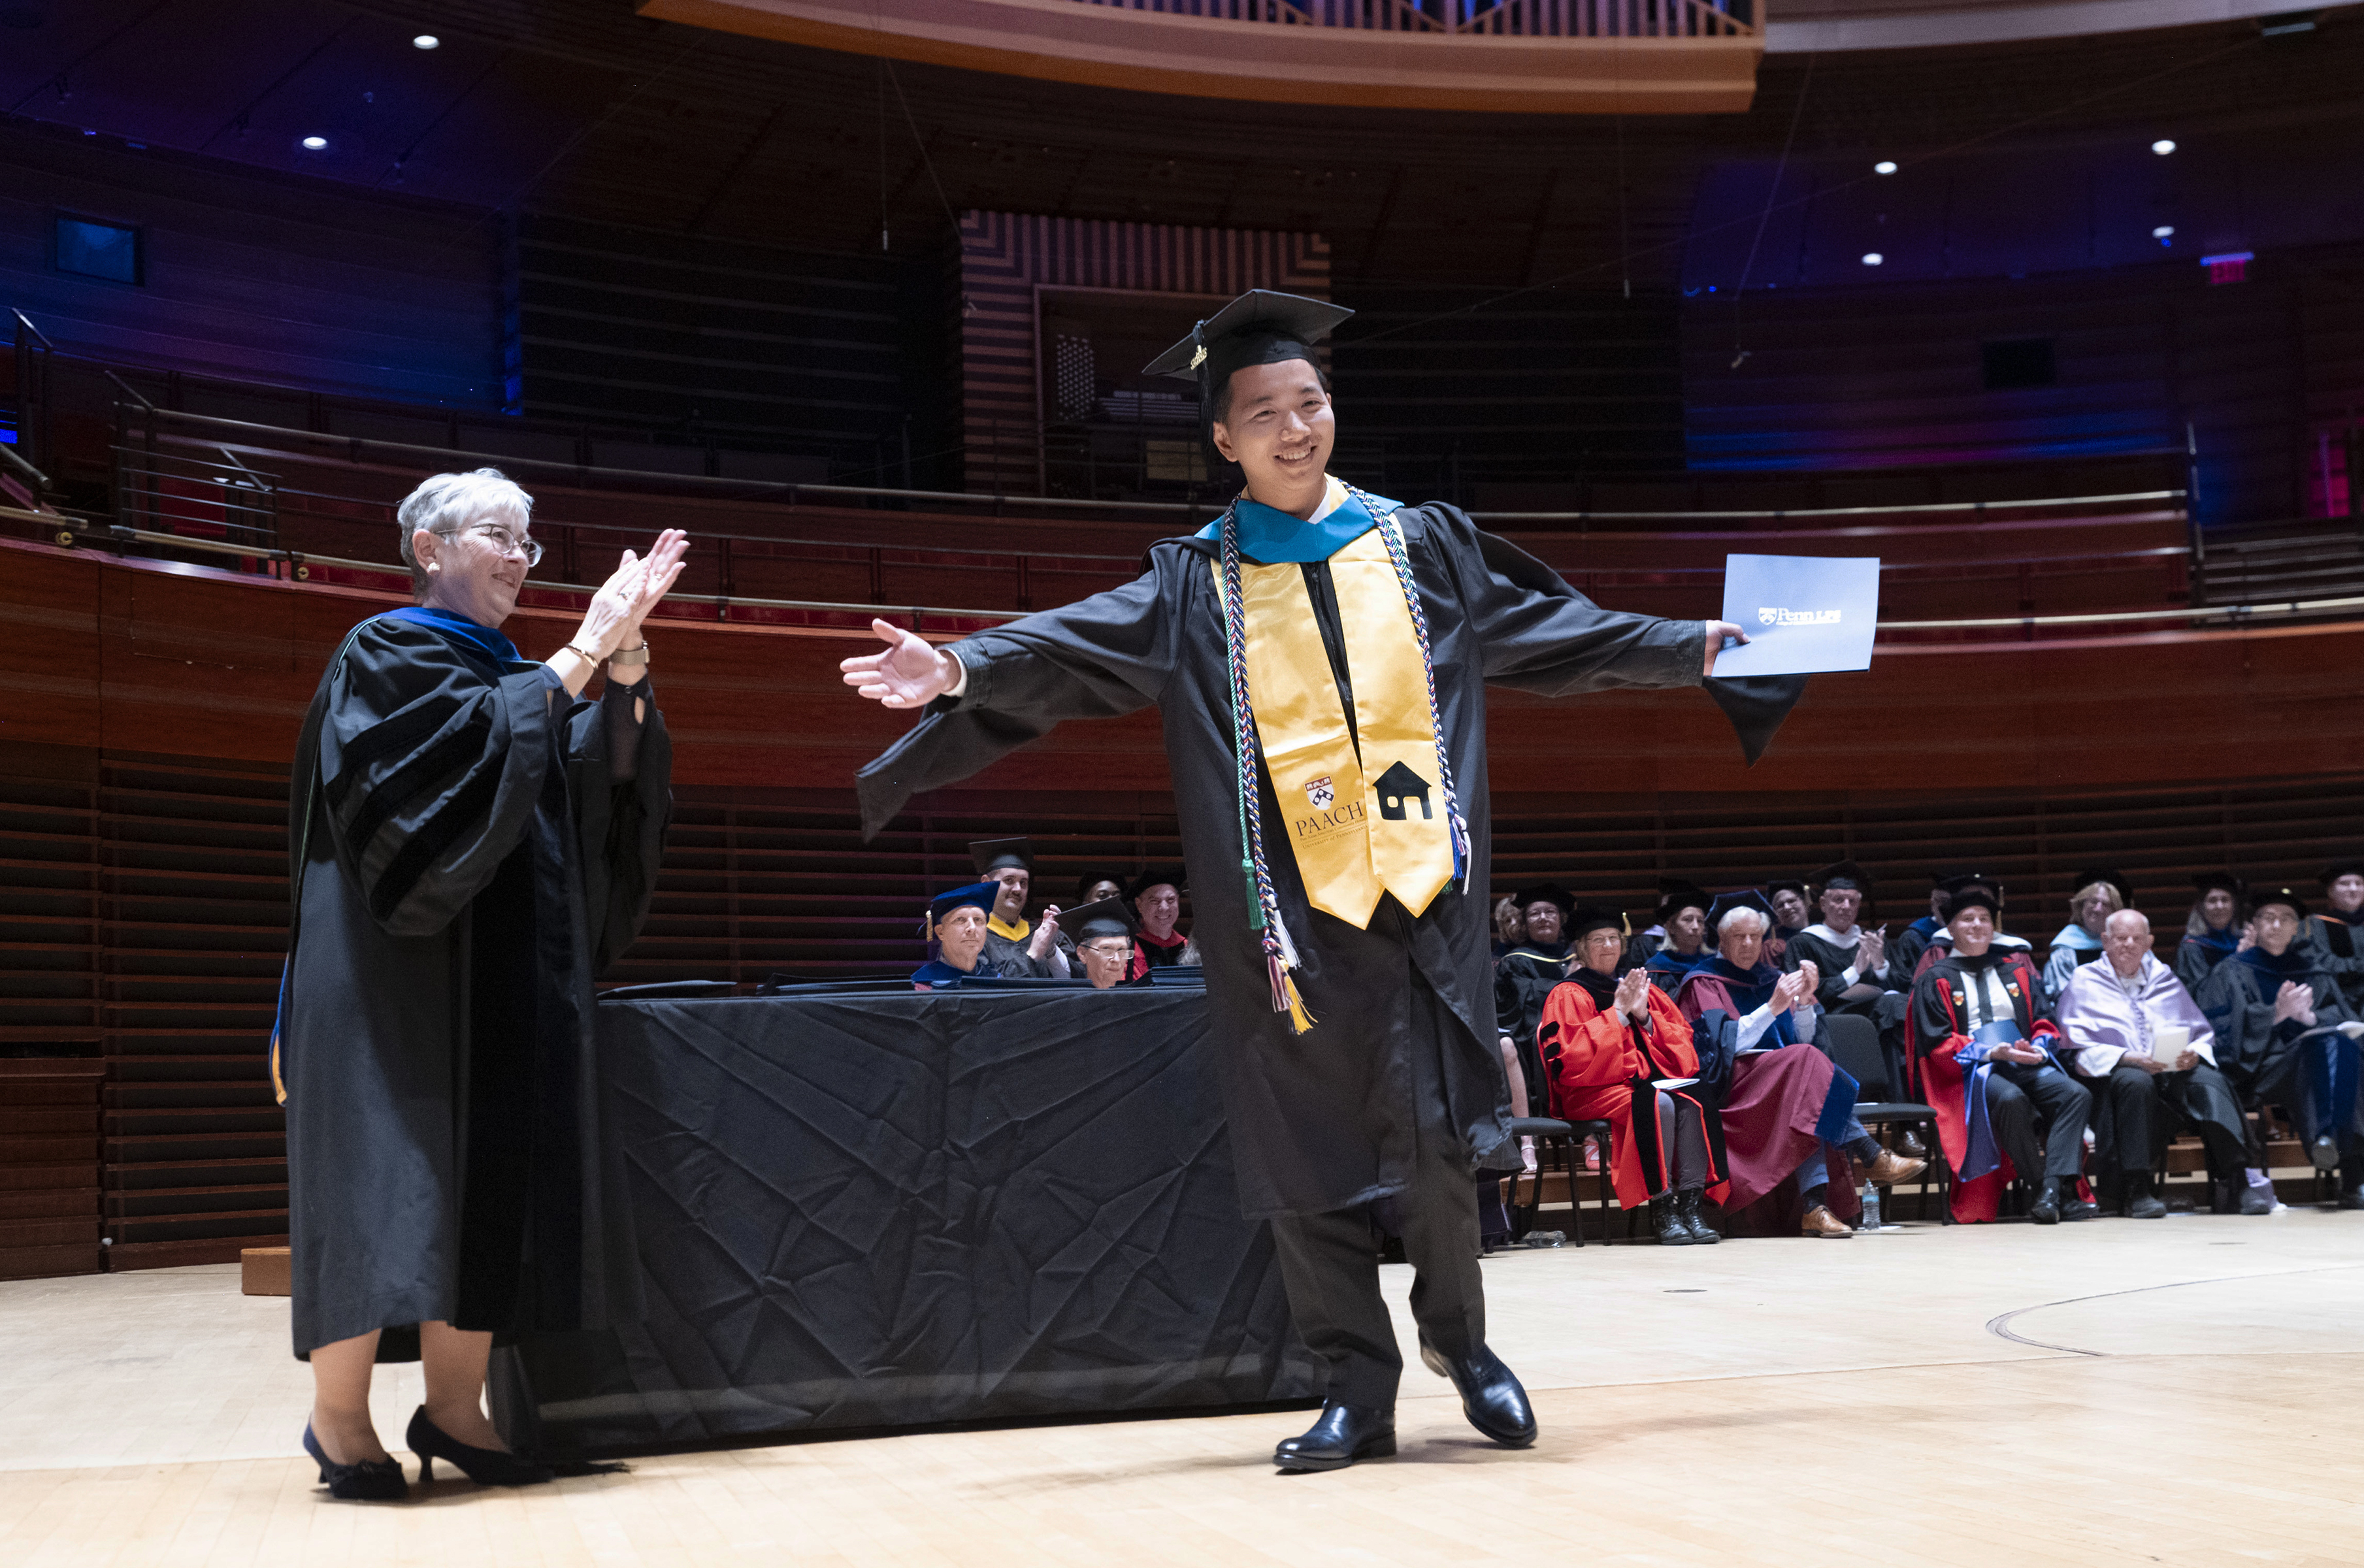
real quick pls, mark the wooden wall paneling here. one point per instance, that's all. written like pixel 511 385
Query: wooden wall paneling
pixel 196 933
pixel 49 1167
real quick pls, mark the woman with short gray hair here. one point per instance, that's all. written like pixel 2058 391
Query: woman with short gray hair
pixel 470 842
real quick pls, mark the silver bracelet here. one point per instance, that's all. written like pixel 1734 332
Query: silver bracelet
pixel 628 657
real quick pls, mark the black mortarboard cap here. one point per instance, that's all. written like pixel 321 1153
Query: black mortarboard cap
pixel 1545 893
pixel 2208 881
pixel 1785 886
pixel 1591 918
pixel 1954 883
pixel 1260 328
pixel 2350 866
pixel 1154 876
pixel 1084 884
pixel 1742 898
pixel 1104 917
pixel 1974 895
pixel 1675 893
pixel 2124 889
pixel 1843 874
pixel 990 855
pixel 2286 896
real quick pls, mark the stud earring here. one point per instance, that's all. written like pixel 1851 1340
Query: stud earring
pixel 434 566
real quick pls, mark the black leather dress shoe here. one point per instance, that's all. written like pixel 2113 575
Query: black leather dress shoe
pixel 1344 1434
pixel 2045 1210
pixel 1490 1394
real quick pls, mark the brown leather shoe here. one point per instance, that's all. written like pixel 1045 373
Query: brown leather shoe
pixel 1821 1221
pixel 1892 1169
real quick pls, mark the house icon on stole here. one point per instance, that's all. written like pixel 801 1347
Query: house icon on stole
pixel 1399 787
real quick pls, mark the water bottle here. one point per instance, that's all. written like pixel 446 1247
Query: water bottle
pixel 1870 1196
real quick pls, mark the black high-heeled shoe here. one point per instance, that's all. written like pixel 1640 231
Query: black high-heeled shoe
pixel 370 1481
pixel 484 1466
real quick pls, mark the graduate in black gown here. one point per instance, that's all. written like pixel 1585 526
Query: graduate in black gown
pixel 470 842
pixel 1346 966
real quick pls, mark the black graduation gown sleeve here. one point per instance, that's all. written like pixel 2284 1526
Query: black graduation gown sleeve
pixel 620 768
pixel 429 773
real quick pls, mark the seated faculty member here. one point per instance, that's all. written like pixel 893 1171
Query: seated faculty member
pixel 1989 1068
pixel 2276 1010
pixel 1683 947
pixel 957 923
pixel 1156 895
pixel 1790 915
pixel 470 843
pixel 2099 895
pixel 1524 977
pixel 1017 949
pixel 1320 657
pixel 1103 931
pixel 1852 959
pixel 2212 931
pixel 2143 1045
pixel 1618 1052
pixel 1786 1107
pixel 2339 929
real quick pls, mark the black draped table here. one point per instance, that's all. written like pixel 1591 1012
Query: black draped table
pixel 876 1209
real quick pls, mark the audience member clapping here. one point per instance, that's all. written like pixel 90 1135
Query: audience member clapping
pixel 1017 949
pixel 2278 1012
pixel 1852 959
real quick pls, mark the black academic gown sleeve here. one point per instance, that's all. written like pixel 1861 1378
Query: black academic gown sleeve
pixel 1324 1120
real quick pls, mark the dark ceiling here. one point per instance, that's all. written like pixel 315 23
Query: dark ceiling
pixel 582 108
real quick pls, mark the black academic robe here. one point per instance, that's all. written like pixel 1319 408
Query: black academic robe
pixel 2200 951
pixel 1832 960
pixel 2341 939
pixel 2266 1061
pixel 1324 1120
pixel 1523 978
pixel 468 859
pixel 1010 959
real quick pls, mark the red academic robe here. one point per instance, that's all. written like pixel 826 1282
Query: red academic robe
pixel 1593 1059
pixel 1942 1083
pixel 1773 1108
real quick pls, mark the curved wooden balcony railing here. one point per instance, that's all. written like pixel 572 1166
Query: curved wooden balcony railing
pixel 1505 56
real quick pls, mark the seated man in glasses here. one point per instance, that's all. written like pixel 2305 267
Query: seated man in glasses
pixel 1104 932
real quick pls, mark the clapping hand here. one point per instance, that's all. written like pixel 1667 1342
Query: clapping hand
pixel 1871 953
pixel 2294 1001
pixel 1633 997
pixel 1812 974
pixel 1046 932
pixel 1792 990
pixel 911 673
pixel 613 619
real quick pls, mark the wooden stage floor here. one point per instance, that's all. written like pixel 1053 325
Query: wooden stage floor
pixel 2186 1391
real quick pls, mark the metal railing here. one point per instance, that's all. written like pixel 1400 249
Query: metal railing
pixel 1518 18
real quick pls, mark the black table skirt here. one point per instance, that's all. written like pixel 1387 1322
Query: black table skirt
pixel 880 1210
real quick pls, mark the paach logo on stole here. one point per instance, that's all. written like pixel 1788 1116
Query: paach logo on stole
pixel 1771 616
pixel 1327 817
pixel 1319 792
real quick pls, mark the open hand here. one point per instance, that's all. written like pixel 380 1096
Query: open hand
pixel 1046 932
pixel 911 673
pixel 1717 631
pixel 631 591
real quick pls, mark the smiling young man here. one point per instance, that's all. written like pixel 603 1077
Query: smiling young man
pixel 1321 657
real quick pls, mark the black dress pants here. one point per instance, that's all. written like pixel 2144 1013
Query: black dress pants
pixel 1330 1263
pixel 2139 1111
pixel 2022 1099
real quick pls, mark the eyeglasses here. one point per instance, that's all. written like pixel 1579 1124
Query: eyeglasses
pixel 507 543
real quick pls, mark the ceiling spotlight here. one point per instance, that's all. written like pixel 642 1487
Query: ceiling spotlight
pixel 1873 258
pixel 314 143
pixel 2164 231
pixel 426 40
pixel 1885 166
pixel 2162 147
